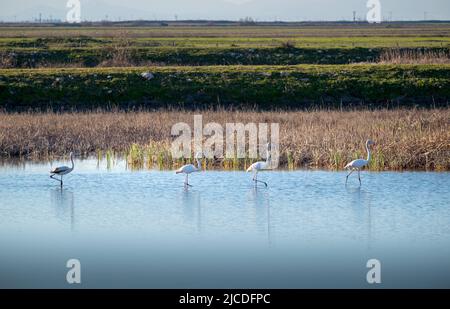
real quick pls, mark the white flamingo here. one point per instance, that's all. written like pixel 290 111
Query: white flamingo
pixel 190 168
pixel 357 165
pixel 62 170
pixel 259 166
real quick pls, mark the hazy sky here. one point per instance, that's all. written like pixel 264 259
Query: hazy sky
pixel 224 9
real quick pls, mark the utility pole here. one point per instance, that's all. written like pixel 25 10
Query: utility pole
pixel 40 17
pixel 354 16
pixel 390 15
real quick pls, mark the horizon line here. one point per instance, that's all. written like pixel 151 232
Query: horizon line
pixel 58 21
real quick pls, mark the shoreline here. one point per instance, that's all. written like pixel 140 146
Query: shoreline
pixel 102 165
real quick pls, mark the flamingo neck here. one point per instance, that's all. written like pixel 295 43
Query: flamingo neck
pixel 71 159
pixel 199 165
pixel 368 152
pixel 268 158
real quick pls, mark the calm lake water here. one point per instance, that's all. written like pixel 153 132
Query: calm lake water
pixel 144 229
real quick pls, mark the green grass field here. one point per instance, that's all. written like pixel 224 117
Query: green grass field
pixel 87 42
pixel 230 29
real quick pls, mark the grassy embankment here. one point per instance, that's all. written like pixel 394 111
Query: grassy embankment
pixel 261 87
pixel 91 52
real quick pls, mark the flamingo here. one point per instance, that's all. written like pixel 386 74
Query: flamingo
pixel 190 168
pixel 357 165
pixel 62 170
pixel 259 166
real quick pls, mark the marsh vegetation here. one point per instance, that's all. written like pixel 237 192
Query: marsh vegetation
pixel 406 139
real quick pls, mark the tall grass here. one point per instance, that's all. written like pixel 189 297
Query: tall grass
pixel 406 139
pixel 7 60
pixel 119 52
pixel 413 56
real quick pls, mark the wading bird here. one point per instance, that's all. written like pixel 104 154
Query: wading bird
pixel 259 166
pixel 62 170
pixel 357 165
pixel 190 168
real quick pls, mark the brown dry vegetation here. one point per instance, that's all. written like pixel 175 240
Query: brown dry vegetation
pixel 6 60
pixel 120 52
pixel 406 139
pixel 398 56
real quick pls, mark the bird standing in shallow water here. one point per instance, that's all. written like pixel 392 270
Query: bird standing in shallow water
pixel 259 166
pixel 190 168
pixel 357 165
pixel 62 170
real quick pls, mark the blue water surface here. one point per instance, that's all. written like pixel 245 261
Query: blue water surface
pixel 144 229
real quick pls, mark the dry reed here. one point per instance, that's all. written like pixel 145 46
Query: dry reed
pixel 7 60
pixel 119 53
pixel 399 56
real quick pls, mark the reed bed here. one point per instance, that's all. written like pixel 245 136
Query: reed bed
pixel 406 139
pixel 414 56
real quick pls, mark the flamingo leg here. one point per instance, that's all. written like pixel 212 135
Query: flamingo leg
pixel 186 181
pixel 265 183
pixel 53 177
pixel 346 179
pixel 359 177
pixel 61 181
pixel 255 179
